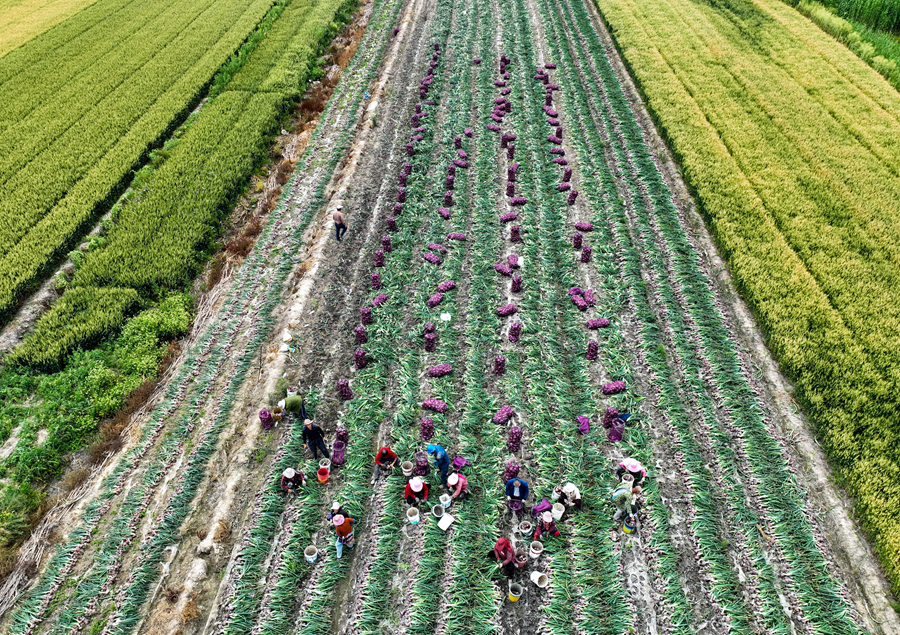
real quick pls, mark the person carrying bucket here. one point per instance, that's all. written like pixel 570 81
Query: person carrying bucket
pixel 635 469
pixel 568 495
pixel 336 510
pixel 343 527
pixel 416 490
pixel 314 439
pixel 458 486
pixel 624 498
pixel 441 460
pixel 505 556
pixel 291 479
pixel 546 525
pixel 385 461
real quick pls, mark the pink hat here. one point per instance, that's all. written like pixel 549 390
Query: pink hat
pixel 633 465
pixel 416 484
pixel 547 516
pixel 338 520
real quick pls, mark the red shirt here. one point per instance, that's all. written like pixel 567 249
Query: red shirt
pixel 345 529
pixel 504 551
pixel 391 457
pixel 409 492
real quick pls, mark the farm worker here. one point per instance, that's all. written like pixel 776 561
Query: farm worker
pixel 339 226
pixel 623 498
pixel 385 461
pixel 415 490
pixel 504 555
pixel 546 526
pixel 295 406
pixel 441 461
pixel 516 489
pixel 458 485
pixel 336 510
pixel 568 495
pixel 637 471
pixel 314 439
pixel 343 527
pixel 292 479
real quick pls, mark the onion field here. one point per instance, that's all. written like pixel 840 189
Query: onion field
pixel 523 268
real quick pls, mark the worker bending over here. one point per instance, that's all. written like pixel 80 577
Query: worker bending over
pixel 415 491
pixel 441 460
pixel 343 527
pixel 568 495
pixel 385 461
pixel 546 526
pixel 505 556
pixel 458 486
pixel 292 479
pixel 637 471
pixel 624 498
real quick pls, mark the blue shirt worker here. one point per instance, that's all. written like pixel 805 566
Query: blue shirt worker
pixel 516 489
pixel 441 460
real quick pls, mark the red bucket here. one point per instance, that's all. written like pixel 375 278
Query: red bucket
pixel 323 474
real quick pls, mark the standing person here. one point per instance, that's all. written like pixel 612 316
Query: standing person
pixel 546 526
pixel 336 510
pixel 296 407
pixel 441 461
pixel 291 479
pixel 385 461
pixel 568 495
pixel 415 490
pixel 314 439
pixel 458 485
pixel 339 226
pixel 505 556
pixel 343 527
pixel 637 471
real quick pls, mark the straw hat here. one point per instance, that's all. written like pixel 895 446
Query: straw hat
pixel 335 506
pixel 338 520
pixel 289 473
pixel 547 517
pixel 453 479
pixel 416 484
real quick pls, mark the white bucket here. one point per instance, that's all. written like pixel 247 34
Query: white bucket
pixel 558 510
pixel 291 391
pixel 536 549
pixel 326 463
pixel 311 554
pixel 412 515
pixel 446 499
pixel 525 527
pixel 445 521
pixel 437 511
pixel 540 579
pixel 407 468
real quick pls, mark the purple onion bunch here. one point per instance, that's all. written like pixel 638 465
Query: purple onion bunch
pixel 361 337
pixel 589 297
pixel 584 227
pixel 343 388
pixel 577 240
pixel 593 348
pixel 572 196
pixel 430 342
pixel 515 235
pixel 456 236
pixel 435 405
pixel 502 269
pixel 359 356
pixel 440 370
pixel 379 258
pixel 503 415
pixel 567 175
pixel 586 253
pixel 515 332
pixel 516 286
pixel 426 428
pixel 342 434
pixel 444 212
pixel 511 471
pixel 380 299
pixel 435 300
pixel 613 387
pixel 365 315
pixel 429 327
pixel 597 323
pixel 391 224
pixel 514 439
pixel 437 247
pixel 446 285
pixel 508 217
pixel 499 364
pixel 517 201
pixel 513 261
pixel 564 186
pixel 376 280
pixel 506 310
pixel 386 246
pixel 610 416
pixel 432 258
pixel 578 301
